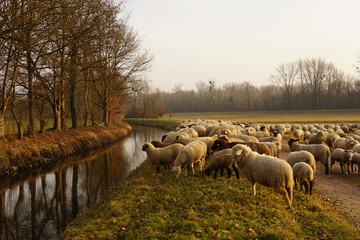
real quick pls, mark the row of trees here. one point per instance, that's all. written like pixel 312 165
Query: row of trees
pixel 68 59
pixel 302 84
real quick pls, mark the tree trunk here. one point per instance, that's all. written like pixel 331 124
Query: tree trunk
pixel 2 123
pixel 73 88
pixel 31 126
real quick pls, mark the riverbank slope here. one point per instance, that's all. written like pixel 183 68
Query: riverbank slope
pixel 52 146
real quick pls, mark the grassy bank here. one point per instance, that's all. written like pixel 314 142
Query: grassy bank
pixel 167 124
pixel 51 146
pixel 159 206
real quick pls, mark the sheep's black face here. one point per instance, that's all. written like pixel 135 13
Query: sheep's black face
pixel 207 172
pixel 144 147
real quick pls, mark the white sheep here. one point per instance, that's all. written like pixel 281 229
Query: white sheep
pixel 162 156
pixel 316 138
pixel 330 138
pixel 345 144
pixel 301 156
pixel 222 159
pixel 240 135
pixel 209 141
pixel 190 154
pixel 304 174
pixel 266 170
pixel 321 152
pixel 356 148
pixel 277 137
pixel 298 133
pixel 342 156
pixel 273 148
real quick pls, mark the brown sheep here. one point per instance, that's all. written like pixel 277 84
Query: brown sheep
pixel 261 148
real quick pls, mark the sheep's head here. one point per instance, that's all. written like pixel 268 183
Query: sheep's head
pixel 241 151
pixel 145 146
pixel 292 141
pixel 218 144
pixel 207 171
pixel 348 154
pixel 176 170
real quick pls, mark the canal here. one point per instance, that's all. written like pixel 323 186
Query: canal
pixel 41 205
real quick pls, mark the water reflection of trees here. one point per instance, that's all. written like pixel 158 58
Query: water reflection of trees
pixel 42 206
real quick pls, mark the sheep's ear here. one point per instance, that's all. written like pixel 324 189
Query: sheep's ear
pixel 238 152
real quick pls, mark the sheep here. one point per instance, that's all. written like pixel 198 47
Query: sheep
pixel 159 144
pixel 266 170
pixel 298 133
pixel 301 156
pixel 277 137
pixel 356 148
pixel 330 138
pixel 273 148
pixel 306 135
pixel 220 160
pixel 240 135
pixel 304 174
pixel 201 130
pixel 262 133
pixel 221 144
pixel 316 138
pixel 345 144
pixel 342 156
pixel 162 156
pixel 209 141
pixel 321 152
pixel 190 154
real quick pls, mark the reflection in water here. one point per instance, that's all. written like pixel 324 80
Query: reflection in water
pixel 42 206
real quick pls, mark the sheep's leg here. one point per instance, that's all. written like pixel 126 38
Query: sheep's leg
pixel 254 189
pixel 287 193
pixel 221 172
pixel 229 172
pixel 216 172
pixel 342 167
pixel 295 182
pixel 157 169
pixel 306 184
pixel 311 186
pixel 236 170
pixel 192 168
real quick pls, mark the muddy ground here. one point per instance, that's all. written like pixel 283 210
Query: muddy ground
pixel 340 191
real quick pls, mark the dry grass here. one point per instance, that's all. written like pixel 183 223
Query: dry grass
pixel 30 153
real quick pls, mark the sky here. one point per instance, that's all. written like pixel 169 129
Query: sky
pixel 242 40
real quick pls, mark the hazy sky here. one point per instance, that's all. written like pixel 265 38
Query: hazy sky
pixel 242 40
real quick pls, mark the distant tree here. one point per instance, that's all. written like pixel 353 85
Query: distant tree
pixel 284 78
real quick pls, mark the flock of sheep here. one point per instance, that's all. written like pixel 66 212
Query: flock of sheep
pixel 252 150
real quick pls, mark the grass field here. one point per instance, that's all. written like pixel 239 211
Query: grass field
pixel 334 115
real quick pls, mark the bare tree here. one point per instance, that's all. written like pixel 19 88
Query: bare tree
pixel 284 78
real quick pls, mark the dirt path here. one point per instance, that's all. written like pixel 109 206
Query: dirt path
pixel 340 191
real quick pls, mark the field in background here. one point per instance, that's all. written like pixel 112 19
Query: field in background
pixel 336 115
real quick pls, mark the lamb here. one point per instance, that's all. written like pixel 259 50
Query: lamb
pixel 342 156
pixel 344 143
pixel 162 156
pixel 301 156
pixel 221 144
pixel 304 174
pixel 266 170
pixel 321 152
pixel 316 138
pixel 190 154
pixel 220 160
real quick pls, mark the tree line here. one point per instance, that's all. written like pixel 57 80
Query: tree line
pixel 306 84
pixel 66 59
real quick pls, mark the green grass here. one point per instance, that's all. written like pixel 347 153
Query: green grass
pixel 159 206
pixel 333 115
